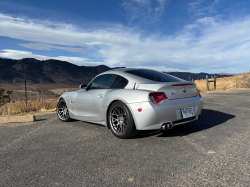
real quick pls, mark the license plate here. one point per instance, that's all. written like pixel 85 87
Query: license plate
pixel 187 112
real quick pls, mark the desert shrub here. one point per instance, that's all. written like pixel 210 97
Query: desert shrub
pixel 5 98
pixel 244 81
pixel 4 101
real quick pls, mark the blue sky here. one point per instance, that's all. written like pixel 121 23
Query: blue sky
pixel 168 35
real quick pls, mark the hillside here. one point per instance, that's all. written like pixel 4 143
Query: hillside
pixel 61 72
pixel 48 71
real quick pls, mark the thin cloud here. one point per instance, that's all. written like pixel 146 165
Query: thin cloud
pixel 199 8
pixel 144 11
pixel 208 44
pixel 43 46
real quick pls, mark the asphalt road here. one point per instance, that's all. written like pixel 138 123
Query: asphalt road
pixel 210 152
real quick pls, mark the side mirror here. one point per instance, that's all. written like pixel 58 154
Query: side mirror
pixel 83 86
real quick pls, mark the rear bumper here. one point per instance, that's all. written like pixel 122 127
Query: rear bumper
pixel 154 116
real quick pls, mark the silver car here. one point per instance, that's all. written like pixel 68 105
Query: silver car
pixel 129 100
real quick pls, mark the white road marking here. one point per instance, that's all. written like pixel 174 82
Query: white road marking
pixel 5 147
pixel 211 152
pixel 198 147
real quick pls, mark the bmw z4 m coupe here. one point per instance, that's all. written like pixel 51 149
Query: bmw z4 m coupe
pixel 128 100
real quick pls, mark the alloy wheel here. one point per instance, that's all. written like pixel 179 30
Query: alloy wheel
pixel 62 111
pixel 118 120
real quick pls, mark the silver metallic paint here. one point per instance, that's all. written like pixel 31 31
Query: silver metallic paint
pixel 92 105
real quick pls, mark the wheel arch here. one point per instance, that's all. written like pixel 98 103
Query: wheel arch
pixel 107 111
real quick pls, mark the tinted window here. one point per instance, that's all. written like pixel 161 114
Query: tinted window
pixel 153 75
pixel 102 82
pixel 119 82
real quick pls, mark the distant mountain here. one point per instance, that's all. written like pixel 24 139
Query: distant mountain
pixel 196 76
pixel 61 72
pixel 47 71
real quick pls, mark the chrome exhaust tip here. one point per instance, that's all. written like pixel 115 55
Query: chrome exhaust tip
pixel 166 126
pixel 163 127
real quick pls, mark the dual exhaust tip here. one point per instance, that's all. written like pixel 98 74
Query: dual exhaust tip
pixel 169 125
pixel 166 126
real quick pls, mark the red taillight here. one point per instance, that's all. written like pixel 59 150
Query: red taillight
pixel 157 97
pixel 198 93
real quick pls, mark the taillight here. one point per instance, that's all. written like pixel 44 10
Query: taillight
pixel 198 93
pixel 157 97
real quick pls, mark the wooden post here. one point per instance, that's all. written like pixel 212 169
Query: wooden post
pixel 236 81
pixel 192 79
pixel 207 83
pixel 26 99
pixel 215 82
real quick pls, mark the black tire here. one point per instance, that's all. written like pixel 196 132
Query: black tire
pixel 121 121
pixel 62 111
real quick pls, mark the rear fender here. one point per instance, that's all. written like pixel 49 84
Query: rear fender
pixel 126 96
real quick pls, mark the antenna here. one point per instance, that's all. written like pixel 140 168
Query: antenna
pixel 134 85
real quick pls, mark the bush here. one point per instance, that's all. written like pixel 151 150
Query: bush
pixel 244 81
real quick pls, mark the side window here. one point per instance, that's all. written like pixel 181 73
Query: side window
pixel 119 82
pixel 102 82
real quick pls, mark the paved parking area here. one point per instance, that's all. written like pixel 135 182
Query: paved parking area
pixel 211 152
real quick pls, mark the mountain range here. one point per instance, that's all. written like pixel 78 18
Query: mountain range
pixel 62 72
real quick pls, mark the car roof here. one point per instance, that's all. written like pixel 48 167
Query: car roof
pixel 120 69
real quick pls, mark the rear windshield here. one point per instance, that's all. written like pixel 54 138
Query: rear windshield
pixel 153 75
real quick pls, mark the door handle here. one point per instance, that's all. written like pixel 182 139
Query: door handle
pixel 100 96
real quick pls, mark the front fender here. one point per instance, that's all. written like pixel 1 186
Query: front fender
pixel 69 98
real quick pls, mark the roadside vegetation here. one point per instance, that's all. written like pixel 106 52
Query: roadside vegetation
pixel 38 100
pixel 226 83
pixel 34 106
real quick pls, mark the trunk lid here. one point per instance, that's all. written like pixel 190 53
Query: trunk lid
pixel 173 90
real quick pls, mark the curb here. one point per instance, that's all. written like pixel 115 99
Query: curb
pixel 17 119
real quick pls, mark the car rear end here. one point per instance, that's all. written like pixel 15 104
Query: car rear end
pixel 169 103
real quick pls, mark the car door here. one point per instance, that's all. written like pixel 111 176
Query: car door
pixel 89 102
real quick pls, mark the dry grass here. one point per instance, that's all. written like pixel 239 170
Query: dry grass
pixel 240 81
pixel 59 91
pixel 32 106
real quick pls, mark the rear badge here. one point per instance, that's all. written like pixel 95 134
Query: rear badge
pixel 184 90
pixel 173 93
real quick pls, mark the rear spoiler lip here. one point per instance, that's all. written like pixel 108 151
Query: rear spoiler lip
pixel 187 84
